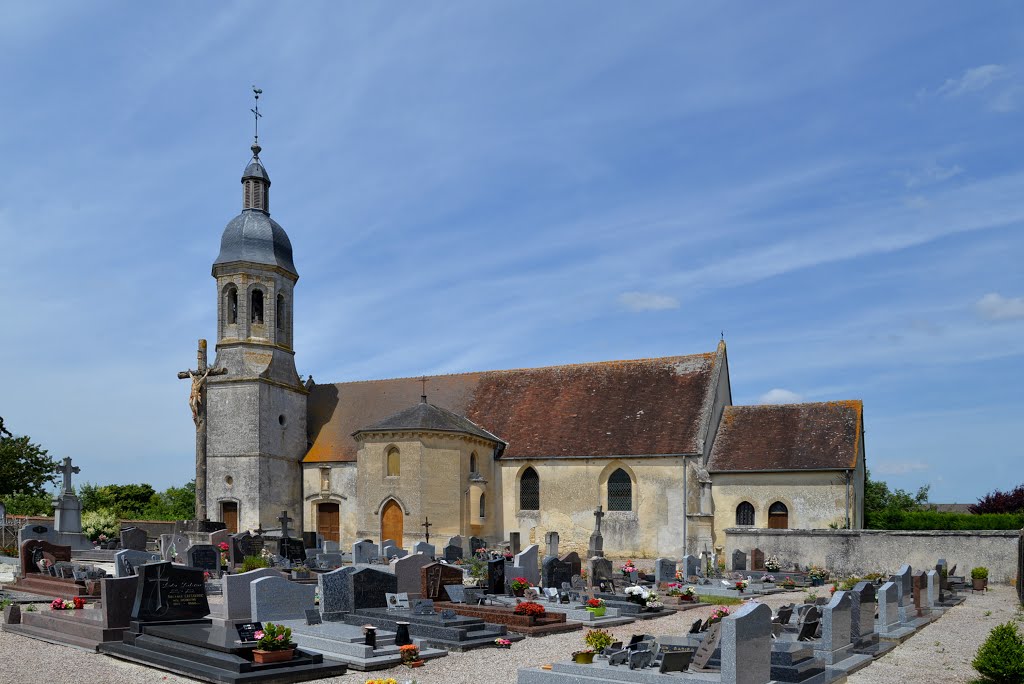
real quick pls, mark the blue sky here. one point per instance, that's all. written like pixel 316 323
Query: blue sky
pixel 474 185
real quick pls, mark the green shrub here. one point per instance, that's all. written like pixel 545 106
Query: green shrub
pixel 254 563
pixel 980 572
pixel 1001 657
pixel 890 519
pixel 848 584
pixel 598 639
pixel 103 521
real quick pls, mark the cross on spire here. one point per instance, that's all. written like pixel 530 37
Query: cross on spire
pixel 256 116
pixel 66 470
pixel 284 520
pixel 423 395
pixel 426 526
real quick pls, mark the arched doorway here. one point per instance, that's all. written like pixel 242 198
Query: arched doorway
pixel 778 516
pixel 392 522
pixel 327 519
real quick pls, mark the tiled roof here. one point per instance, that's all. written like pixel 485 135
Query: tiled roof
pixel 818 436
pixel 424 416
pixel 614 408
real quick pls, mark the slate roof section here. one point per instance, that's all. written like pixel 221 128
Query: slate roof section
pixel 427 417
pixel 643 407
pixel 255 237
pixel 812 436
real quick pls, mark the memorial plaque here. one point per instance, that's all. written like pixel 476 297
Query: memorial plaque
pixel 313 616
pixel 398 601
pixel 456 592
pixel 708 646
pixel 247 631
pixel 168 592
pixel 423 607
pixel 203 556
pixel 756 559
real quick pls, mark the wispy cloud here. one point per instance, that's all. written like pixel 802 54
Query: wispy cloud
pixel 931 174
pixel 973 80
pixel 647 301
pixel 780 396
pixel 898 467
pixel 996 307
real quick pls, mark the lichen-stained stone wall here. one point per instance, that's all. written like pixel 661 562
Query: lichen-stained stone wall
pixel 856 552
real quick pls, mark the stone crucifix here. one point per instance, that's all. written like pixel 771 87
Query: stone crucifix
pixel 66 470
pixel 197 402
pixel 284 520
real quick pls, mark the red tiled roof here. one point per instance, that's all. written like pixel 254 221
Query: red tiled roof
pixel 819 436
pixel 613 408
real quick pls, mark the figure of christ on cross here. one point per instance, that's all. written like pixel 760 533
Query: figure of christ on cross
pixel 197 402
pixel 426 528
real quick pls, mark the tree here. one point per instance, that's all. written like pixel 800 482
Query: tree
pixel 878 497
pixel 1001 502
pixel 25 467
pixel 126 501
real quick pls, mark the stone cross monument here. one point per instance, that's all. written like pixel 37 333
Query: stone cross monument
pixel 197 402
pixel 596 549
pixel 66 470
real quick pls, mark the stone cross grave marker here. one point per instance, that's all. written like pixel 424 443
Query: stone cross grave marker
pixel 551 543
pixel 596 546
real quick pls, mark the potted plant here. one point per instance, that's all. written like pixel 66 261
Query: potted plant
pixel 534 610
pixel 817 576
pixel 788 583
pixel 768 579
pixel 689 594
pixel 597 640
pixel 628 567
pixel 741 585
pixel 502 643
pixel 410 655
pixel 772 564
pixel 979 577
pixel 520 585
pixel 274 644
pixel 596 607
pixel 584 657
pixel 718 613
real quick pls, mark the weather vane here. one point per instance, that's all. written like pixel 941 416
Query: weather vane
pixel 256 113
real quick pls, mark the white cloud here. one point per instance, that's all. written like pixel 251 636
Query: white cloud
pixel 898 467
pixel 647 301
pixel 780 396
pixel 931 174
pixel 996 307
pixel 973 80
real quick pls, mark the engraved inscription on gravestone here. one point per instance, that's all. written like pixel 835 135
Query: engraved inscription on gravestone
pixel 313 616
pixel 247 631
pixel 423 607
pixel 169 592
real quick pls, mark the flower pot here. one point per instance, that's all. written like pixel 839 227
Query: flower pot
pixel 817 582
pixel 519 592
pixel 584 658
pixel 683 598
pixel 597 612
pixel 979 584
pixel 415 663
pixel 281 656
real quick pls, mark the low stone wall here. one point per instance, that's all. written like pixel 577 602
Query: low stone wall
pixel 857 552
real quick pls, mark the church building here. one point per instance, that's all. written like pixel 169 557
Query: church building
pixel 657 443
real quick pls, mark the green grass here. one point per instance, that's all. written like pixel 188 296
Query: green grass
pixel 721 600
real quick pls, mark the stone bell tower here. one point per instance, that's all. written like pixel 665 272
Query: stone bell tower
pixel 256 412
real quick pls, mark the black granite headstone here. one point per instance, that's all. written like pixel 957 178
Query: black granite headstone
pixel 313 616
pixel 452 553
pixel 292 549
pixel 556 571
pixel 496 576
pixel 170 592
pixel 370 587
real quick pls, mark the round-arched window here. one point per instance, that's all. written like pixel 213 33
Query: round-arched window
pixel 745 514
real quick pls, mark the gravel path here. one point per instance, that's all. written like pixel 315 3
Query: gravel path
pixel 939 653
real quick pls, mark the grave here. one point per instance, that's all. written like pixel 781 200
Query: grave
pixel 476 544
pixel 133 538
pixel 739 560
pixel 550 623
pixel 888 625
pixel 664 571
pixel 243 545
pixel 435 578
pixel 836 647
pixel 408 575
pixel 527 560
pixel 425 548
pixel 276 598
pixel 496 576
pixel 85 628
pixel 236 608
pixel 390 549
pixel 452 553
pixel 217 537
pixel 173 546
pixel 757 559
pixel 328 561
pixel 127 560
pixel 691 566
pixel 205 557
pixel 551 540
pixel 350 588
pixel 168 632
pixel 39 564
pixel 330 546
pixel 904 586
pixel 364 552
pixel 600 573
pixel 347 643
pixel 439 630
pixel 556 572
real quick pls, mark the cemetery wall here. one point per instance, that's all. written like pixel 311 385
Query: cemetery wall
pixel 154 528
pixel 856 552
pixel 570 490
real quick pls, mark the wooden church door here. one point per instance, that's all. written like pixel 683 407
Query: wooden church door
pixel 327 519
pixel 229 516
pixel 391 522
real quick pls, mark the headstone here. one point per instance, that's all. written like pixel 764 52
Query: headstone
pixel 691 565
pixel 364 552
pixel 919 589
pixel 407 572
pixel 747 645
pixel 496 576
pixel 932 581
pixel 904 584
pixel 203 556
pixel 756 559
pixel 237 605
pixel 528 561
pixel 168 592
pixel 386 542
pixel 836 628
pixel 35 550
pixel 435 578
pixel 173 546
pixel 475 544
pixel 556 571
pixel 328 561
pixel 426 549
pixel 888 608
pixel 127 560
pixel 513 539
pixel 664 571
pixel 456 593
pixel 551 544
pixel 330 546
pixel 452 553
pixel 292 549
pixel 864 609
pixel 574 561
pixel 369 587
pixel 739 560
pixel 37 531
pixel 218 537
pixel 457 541
pixel 133 538
pixel 239 546
pixel 392 550
pixel 600 571
pixel 708 646
pixel 276 598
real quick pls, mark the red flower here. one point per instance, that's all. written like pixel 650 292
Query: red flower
pixel 530 608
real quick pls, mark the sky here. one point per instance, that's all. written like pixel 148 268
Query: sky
pixel 834 187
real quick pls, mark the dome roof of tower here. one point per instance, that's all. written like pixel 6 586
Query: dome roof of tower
pixel 255 237
pixel 255 169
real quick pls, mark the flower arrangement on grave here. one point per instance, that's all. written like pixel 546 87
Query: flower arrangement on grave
pixel 507 554
pixel 721 566
pixel 628 567
pixel 530 608
pixel 741 585
pixel 598 639
pixel 643 596
pixel 255 562
pixel 768 579
pixel 817 573
pixel 77 603
pixel 223 547
pixel 520 584
pixel 674 589
pixel 788 583
pixel 503 643
pixel 206 575
pixel 718 613
pixel 596 607
pixel 772 564
pixel 679 576
pixel 410 655
pixel 274 638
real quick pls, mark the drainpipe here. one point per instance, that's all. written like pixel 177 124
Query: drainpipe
pixel 849 524
pixel 686 508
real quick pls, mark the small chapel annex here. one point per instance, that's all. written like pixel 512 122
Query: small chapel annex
pixel 657 442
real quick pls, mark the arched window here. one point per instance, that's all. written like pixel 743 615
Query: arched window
pixel 394 462
pixel 620 491
pixel 472 462
pixel 745 514
pixel 280 312
pixel 232 304
pixel 778 516
pixel 257 306
pixel 483 505
pixel 529 491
